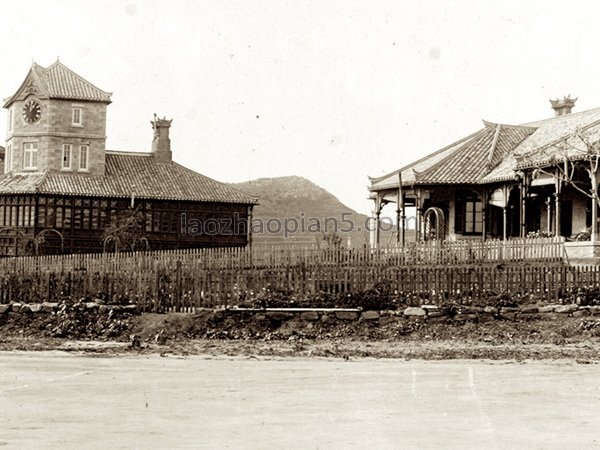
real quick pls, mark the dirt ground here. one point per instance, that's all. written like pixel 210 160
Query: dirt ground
pixel 65 400
pixel 217 333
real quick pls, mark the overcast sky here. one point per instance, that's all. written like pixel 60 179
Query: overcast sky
pixel 330 90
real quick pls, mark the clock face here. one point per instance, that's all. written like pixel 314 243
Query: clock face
pixel 32 111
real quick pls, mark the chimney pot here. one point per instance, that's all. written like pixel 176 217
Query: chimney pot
pixel 563 106
pixel 161 144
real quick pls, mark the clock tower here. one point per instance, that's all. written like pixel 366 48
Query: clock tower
pixel 56 124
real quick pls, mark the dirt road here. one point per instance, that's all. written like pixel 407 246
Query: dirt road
pixel 59 400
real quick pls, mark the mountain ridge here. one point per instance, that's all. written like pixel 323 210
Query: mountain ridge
pixel 297 198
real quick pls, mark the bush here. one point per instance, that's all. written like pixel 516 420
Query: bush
pixel 587 296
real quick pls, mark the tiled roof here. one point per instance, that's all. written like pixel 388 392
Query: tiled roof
pixel 546 145
pixel 126 174
pixel 475 160
pixel 58 81
pixel 464 162
pixel 408 172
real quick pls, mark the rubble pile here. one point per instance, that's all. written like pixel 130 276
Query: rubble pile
pixel 75 319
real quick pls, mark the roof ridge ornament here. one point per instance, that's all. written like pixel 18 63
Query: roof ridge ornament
pixel 563 106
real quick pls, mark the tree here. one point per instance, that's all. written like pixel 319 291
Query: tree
pixel 127 233
pixel 568 157
pixel 332 240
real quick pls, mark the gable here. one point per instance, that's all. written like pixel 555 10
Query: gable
pixel 32 85
pixel 59 82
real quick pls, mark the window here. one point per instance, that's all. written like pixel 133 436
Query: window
pixel 10 119
pixel 83 157
pixel 77 116
pixel 469 213
pixel 66 157
pixel 30 155
pixel 473 215
pixel 8 158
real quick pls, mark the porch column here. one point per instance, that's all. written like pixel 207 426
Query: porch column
pixel 523 214
pixel 249 225
pixel 374 232
pixel 403 226
pixel 483 214
pixel 594 181
pixel 557 189
pixel 504 222
pixel 377 230
pixel 505 193
pixel 594 236
pixel 418 195
pixel 548 215
pixel 400 217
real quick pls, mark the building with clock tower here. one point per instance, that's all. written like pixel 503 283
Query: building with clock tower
pixel 62 189
pixel 56 123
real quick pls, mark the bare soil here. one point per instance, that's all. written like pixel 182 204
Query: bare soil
pixel 221 333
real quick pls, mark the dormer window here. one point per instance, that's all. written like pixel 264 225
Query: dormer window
pixel 30 150
pixel 66 157
pixel 83 157
pixel 77 116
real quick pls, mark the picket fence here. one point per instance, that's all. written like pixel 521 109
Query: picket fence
pixel 184 280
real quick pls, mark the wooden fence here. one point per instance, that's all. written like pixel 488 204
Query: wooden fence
pixel 188 279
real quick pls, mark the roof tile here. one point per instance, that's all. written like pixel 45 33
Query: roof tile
pixel 130 174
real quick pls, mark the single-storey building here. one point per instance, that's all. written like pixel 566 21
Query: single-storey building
pixel 502 181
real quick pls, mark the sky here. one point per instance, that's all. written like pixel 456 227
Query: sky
pixel 334 91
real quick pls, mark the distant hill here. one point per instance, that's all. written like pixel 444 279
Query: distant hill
pixel 295 199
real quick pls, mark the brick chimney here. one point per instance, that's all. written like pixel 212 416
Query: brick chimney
pixel 563 106
pixel 161 144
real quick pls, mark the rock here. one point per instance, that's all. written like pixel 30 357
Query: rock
pixel 508 309
pixel 25 309
pixel 581 313
pixel 414 311
pixel 16 307
pixel 92 305
pixel 4 308
pixel 386 320
pixel 279 316
pixel 35 307
pixel 132 309
pixel 463 317
pixel 508 315
pixel 326 318
pixel 594 309
pixel 370 315
pixel 49 307
pixel 437 318
pixel 547 308
pixel 564 309
pixel 553 316
pixel 431 313
pixel 529 309
pixel 471 309
pixel 309 316
pixel 346 315
pixel 136 341
pixel 103 308
pixel 490 310
pixel 429 307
